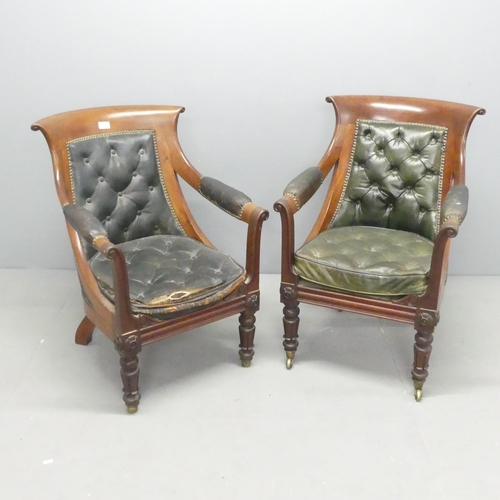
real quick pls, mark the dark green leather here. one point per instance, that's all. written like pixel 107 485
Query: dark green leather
pixel 367 260
pixel 229 199
pixel 115 177
pixel 304 186
pixel 171 274
pixel 394 178
pixel 455 204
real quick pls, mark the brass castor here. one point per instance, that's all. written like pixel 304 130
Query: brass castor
pixel 132 409
pixel 245 363
pixel 289 359
pixel 418 394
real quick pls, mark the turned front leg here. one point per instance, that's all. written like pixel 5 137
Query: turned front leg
pixel 291 321
pixel 247 330
pixel 425 324
pixel 129 347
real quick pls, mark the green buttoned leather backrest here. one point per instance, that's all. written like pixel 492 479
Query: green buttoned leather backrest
pixel 394 178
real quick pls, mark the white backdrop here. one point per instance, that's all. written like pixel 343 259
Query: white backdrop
pixel 253 76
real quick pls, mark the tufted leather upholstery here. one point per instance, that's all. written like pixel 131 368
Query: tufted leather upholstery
pixel 367 260
pixel 170 274
pixel 395 178
pixel 116 177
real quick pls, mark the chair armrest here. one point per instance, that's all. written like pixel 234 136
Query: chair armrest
pixel 302 188
pixel 453 213
pixel 90 228
pixel 455 207
pixel 86 224
pixel 255 217
pixel 286 207
pixel 238 205
pixel 223 196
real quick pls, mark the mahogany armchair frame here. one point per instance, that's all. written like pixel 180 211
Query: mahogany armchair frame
pixel 421 311
pixel 129 331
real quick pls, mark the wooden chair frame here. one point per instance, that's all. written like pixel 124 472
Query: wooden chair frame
pixel 127 330
pixel 421 311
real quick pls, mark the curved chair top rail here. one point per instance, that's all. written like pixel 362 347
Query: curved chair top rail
pixel 457 118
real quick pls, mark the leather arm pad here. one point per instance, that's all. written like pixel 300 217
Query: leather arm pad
pixel 455 204
pixel 227 198
pixel 304 186
pixel 85 223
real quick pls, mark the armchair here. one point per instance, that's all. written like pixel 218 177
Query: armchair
pixel 381 241
pixel 147 271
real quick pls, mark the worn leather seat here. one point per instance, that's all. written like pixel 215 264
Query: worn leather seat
pixel 170 274
pixel 367 260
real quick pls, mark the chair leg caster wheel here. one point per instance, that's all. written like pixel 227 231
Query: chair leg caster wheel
pixel 418 394
pixel 132 409
pixel 289 363
pixel 246 363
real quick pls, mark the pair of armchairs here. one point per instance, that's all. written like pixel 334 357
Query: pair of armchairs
pixel 379 246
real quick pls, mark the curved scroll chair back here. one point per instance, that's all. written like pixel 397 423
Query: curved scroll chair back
pixel 121 163
pixel 396 158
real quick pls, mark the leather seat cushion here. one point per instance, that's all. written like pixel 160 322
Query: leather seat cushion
pixel 367 261
pixel 170 274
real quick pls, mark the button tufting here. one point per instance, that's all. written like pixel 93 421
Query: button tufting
pixel 139 212
pixel 134 174
pixel 398 157
pixel 120 194
pixel 125 229
pixel 89 200
pixel 113 152
pixel 108 218
pixel 151 188
pixel 101 179
pixel 87 161
pixel 156 228
pixel 141 152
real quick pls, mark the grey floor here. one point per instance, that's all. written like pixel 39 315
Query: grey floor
pixel 342 424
